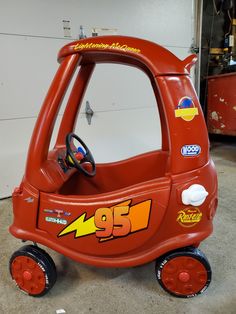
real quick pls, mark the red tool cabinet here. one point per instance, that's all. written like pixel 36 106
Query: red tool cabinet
pixel 221 104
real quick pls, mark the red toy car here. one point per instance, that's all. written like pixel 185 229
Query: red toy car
pixel 154 206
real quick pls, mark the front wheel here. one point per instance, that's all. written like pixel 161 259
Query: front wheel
pixel 33 270
pixel 184 273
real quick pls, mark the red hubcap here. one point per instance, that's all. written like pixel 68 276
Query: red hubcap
pixel 184 275
pixel 28 275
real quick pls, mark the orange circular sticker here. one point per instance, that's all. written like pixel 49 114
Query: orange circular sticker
pixel 189 216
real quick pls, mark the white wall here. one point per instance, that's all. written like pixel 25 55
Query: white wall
pixel 31 34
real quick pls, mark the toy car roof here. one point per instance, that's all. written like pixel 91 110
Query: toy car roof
pixel 142 53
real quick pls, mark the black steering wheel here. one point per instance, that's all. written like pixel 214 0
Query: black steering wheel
pixel 87 156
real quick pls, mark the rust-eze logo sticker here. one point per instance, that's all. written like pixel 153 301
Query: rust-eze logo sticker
pixel 189 217
pixel 109 223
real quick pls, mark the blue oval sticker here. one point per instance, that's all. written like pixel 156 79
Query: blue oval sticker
pixel 190 150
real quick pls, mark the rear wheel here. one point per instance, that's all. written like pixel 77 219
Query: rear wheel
pixel 33 270
pixel 184 273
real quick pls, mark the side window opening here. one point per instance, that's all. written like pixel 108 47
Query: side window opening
pixel 126 120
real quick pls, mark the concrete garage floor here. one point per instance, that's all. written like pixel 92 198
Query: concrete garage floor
pixel 85 289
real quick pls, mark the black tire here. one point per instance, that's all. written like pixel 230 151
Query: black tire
pixel 186 277
pixel 33 270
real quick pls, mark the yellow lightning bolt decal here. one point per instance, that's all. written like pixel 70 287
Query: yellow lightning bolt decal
pixel 80 226
pixel 83 227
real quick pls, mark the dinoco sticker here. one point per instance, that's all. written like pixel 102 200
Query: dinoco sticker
pixel 111 222
pixel 186 109
pixel 189 217
pixel 115 46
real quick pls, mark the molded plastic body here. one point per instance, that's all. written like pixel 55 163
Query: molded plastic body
pixel 131 212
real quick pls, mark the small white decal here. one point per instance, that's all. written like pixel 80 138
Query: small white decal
pixel 56 220
pixel 190 150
